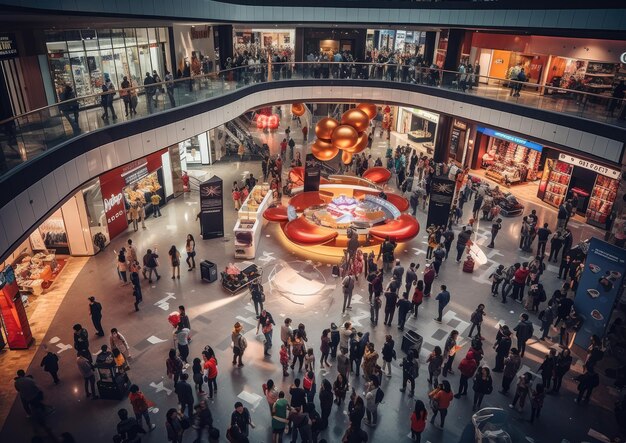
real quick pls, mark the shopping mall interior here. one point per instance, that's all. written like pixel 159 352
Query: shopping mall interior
pixel 310 167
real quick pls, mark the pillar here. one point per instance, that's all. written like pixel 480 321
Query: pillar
pixel 442 139
pixel 429 46
pixel 453 54
pixel 225 43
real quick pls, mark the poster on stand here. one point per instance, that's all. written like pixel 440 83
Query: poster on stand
pixel 598 288
pixel 16 324
pixel 312 173
pixel 212 208
pixel 441 195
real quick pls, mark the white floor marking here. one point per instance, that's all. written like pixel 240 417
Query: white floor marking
pixel 63 347
pixel 159 387
pixel 163 303
pixel 54 340
pixel 154 340
pixel 251 398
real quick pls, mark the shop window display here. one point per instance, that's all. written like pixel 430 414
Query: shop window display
pixel 509 163
pixel 142 189
pixel 558 183
pixel 601 201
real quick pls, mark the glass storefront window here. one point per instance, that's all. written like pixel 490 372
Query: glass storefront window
pixel 94 205
pixel 92 53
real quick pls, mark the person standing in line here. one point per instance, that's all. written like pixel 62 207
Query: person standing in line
pixel 404 308
pixel 95 311
pixel 483 385
pixel 374 395
pixel 117 341
pixel 347 286
pixel 122 267
pixel 411 277
pixel 461 242
pixel 155 199
pixel 547 368
pixel 391 298
pixel 443 298
pixel 556 243
pixel 239 344
pixel 81 340
pixel 477 319
pixel 562 367
pixel 198 375
pixel 326 402
pixel 429 278
pixel 523 331
pixel 174 261
pixel 184 393
pixel 440 398
pixel 495 228
pixel 190 248
pixel 140 406
pixel 524 382
pixel 543 234
pixel 389 353
pixel 50 364
pixel 587 382
pixel 511 365
pixel 537 395
pixel 181 336
pixel 508 280
pixel 449 351
pixel 435 361
pixel 496 278
pixel 418 421
pixel 519 281
pixel 467 368
pixel 134 279
pixel 502 347
pixel 85 367
pixel 325 348
pixel 387 252
pixel 174 366
pixel 418 297
pixel 266 323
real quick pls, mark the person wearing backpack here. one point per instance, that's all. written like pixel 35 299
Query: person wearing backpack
pixel 476 319
pixel 239 344
pixel 373 397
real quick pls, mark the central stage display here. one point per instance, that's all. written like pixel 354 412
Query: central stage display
pixel 346 212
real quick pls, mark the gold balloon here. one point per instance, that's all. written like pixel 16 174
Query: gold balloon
pixel 361 144
pixel 298 109
pixel 323 151
pixel 325 127
pixel 356 118
pixel 344 137
pixel 346 157
pixel 370 109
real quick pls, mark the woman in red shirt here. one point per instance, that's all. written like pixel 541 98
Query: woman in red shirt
pixel 210 370
pixel 440 399
pixel 418 297
pixel 418 420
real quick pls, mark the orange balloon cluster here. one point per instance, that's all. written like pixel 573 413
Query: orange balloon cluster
pixel 298 109
pixel 347 135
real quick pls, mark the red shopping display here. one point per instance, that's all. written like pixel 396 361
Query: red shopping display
pixel 16 324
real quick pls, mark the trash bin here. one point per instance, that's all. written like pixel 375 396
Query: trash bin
pixel 412 340
pixel 208 271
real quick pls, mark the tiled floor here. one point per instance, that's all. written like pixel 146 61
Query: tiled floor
pixel 213 313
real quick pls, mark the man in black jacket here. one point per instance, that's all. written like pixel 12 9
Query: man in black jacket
pixel 150 91
pixel 95 311
pixel 542 239
pixel 185 395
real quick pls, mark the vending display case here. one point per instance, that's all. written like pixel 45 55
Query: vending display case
pixel 558 182
pixel 248 227
pixel 601 200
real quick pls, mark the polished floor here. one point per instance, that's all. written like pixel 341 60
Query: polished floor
pixel 213 312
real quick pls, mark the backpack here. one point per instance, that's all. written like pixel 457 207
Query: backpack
pixel 379 396
pixel 243 343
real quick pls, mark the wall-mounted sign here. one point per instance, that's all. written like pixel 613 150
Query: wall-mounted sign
pixel 459 124
pixel 511 138
pixel 198 32
pixel 603 170
pixel 8 47
pixel 430 116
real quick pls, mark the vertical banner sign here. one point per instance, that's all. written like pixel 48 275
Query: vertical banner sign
pixel 16 324
pixel 212 208
pixel 312 173
pixel 598 288
pixel 441 195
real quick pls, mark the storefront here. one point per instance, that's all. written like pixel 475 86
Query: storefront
pixel 196 150
pixel 80 58
pixel 406 42
pixel 506 158
pixel 592 185
pixel 417 128
pixel 133 184
pixel 331 41
pixel 262 41
pixel 194 48
pixel 457 144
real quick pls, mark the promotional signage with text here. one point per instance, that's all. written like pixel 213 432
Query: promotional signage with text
pixel 441 196
pixel 510 138
pixel 312 173
pixel 603 170
pixel 8 47
pixel 212 208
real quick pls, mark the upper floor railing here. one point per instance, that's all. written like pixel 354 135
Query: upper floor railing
pixel 27 136
pixel 433 4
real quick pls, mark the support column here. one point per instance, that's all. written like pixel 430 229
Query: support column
pixel 453 53
pixel 442 139
pixel 429 46
pixel 225 43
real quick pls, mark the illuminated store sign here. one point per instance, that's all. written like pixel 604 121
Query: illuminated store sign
pixel 511 138
pixel 603 170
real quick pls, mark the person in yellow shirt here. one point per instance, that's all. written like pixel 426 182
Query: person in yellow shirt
pixel 156 200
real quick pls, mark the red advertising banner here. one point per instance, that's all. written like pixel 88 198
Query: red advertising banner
pixel 13 313
pixel 112 184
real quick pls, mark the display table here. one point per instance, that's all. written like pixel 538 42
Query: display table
pixel 32 272
pixel 248 227
pixel 239 276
